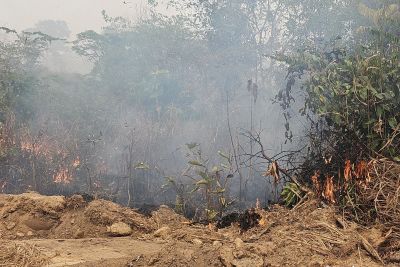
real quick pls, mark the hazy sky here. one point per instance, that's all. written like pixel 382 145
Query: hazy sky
pixel 79 14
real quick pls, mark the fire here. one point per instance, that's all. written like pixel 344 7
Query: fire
pixel 329 191
pixel 263 220
pixel 29 147
pixel 361 170
pixel 76 163
pixel 41 148
pixel 63 176
pixel 347 171
pixel 315 181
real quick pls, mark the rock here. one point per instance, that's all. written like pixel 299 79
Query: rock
pixel 37 224
pixel 188 254
pixel 226 256
pixel 152 261
pixel 79 234
pixel 252 260
pixel 239 243
pixel 12 210
pixel 5 215
pixel 73 221
pixel 29 233
pixel 197 242
pixel 10 225
pixel 162 232
pixel 119 229
pixel 239 254
pixel 217 244
pixel 19 234
pixel 265 249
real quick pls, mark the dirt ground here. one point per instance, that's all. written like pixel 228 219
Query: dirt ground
pixel 38 230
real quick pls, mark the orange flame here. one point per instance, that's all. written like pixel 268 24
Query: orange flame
pixel 329 192
pixel 42 148
pixel 263 221
pixel 315 180
pixel 76 162
pixel 347 171
pixel 361 170
pixel 63 176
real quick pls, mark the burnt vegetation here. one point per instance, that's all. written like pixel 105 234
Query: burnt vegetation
pixel 220 106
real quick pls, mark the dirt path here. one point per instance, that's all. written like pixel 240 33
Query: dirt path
pixel 110 252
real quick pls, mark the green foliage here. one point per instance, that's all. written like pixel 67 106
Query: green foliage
pixel 18 60
pixel 212 183
pixel 291 194
pixel 356 91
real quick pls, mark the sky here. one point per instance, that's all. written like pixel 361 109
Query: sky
pixel 80 15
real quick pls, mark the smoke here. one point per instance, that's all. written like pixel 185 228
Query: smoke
pixel 125 92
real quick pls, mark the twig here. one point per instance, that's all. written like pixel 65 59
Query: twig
pixel 233 147
pixel 370 249
pixel 263 232
pixel 270 160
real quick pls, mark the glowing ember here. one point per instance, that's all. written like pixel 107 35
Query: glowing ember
pixel 40 148
pixel 263 221
pixel 328 193
pixel 347 171
pixel 361 170
pixel 76 163
pixel 315 181
pixel 63 176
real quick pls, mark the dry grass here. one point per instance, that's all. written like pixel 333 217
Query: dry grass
pixel 384 192
pixel 21 255
pixel 382 195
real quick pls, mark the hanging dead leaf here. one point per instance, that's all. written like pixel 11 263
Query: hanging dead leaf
pixel 274 171
pixel 327 159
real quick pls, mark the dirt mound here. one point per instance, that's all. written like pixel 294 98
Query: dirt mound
pixel 309 235
pixel 306 236
pixel 31 215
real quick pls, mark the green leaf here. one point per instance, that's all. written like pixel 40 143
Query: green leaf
pixel 218 191
pixel 142 166
pixel 195 163
pixel 195 189
pixel 379 111
pixel 392 123
pixel 202 182
pixel 191 145
pixel 222 154
pixel 203 175
pixel 215 169
pixel 224 166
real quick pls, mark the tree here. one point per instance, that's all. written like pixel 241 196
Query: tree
pixel 351 97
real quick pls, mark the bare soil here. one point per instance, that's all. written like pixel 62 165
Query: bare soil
pixel 38 230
